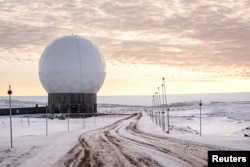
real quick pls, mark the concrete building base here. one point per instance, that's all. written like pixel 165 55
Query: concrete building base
pixel 76 102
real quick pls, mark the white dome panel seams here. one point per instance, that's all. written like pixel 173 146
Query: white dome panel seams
pixel 72 64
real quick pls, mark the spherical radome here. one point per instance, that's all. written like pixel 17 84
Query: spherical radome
pixel 72 64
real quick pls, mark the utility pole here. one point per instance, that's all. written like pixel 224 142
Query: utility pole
pixel 165 97
pixel 200 104
pixel 153 108
pixel 163 109
pixel 46 120
pixel 156 108
pixel 159 97
pixel 10 93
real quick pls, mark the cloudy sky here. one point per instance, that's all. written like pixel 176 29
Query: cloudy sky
pixel 199 46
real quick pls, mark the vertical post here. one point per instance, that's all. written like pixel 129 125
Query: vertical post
pixel 156 108
pixel 163 121
pixel 153 108
pixel 9 93
pixel 163 108
pixel 156 118
pixel 83 120
pixel 165 97
pixel 200 104
pixel 150 114
pixel 28 120
pixel 168 119
pixel 46 120
pixel 159 116
pixel 156 102
pixel 68 119
pixel 159 98
pixel 102 117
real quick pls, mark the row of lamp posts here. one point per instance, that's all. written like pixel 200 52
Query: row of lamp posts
pixel 159 107
pixel 157 113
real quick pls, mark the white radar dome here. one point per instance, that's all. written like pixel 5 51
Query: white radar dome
pixel 72 64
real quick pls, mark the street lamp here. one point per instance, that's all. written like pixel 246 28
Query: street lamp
pixel 163 120
pixel 165 98
pixel 152 111
pixel 168 119
pixel 163 109
pixel 156 107
pixel 200 104
pixel 159 96
pixel 10 93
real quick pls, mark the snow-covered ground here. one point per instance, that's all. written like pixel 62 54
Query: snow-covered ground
pixel 224 124
pixel 31 146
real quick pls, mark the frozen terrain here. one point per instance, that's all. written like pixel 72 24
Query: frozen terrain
pixel 127 140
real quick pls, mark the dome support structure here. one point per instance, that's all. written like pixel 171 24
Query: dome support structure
pixel 76 102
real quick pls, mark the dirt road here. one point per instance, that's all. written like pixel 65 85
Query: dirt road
pixel 121 144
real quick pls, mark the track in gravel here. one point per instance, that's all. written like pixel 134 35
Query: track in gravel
pixel 122 144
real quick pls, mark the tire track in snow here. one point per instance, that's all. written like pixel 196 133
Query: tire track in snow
pixel 176 150
pixel 195 154
pixel 97 148
pixel 122 144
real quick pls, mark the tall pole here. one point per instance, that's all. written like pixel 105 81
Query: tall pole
pixel 153 116
pixel 151 108
pixel 163 109
pixel 153 101
pixel 152 111
pixel 68 119
pixel 163 101
pixel 165 97
pixel 163 120
pixel 46 120
pixel 9 93
pixel 168 120
pixel 83 120
pixel 156 109
pixel 159 97
pixel 200 104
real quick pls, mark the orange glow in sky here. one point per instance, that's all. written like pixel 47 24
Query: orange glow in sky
pixel 198 46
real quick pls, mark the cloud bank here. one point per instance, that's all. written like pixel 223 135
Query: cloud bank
pixel 206 39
